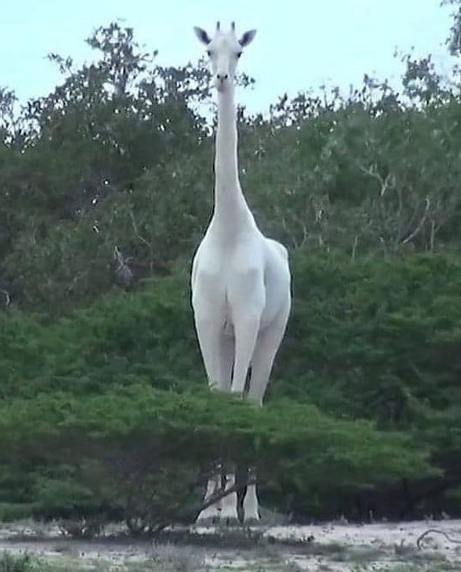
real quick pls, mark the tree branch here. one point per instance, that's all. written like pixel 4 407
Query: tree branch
pixel 221 493
pixel 434 531
pixel 420 225
pixel 7 296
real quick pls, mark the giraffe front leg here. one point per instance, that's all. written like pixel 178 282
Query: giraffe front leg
pixel 212 513
pixel 209 333
pixel 246 329
pixel 251 515
pixel 247 299
pixel 229 513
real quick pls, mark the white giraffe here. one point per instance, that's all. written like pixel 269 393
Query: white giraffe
pixel 240 279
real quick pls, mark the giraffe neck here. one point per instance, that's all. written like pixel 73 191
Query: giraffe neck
pixel 231 211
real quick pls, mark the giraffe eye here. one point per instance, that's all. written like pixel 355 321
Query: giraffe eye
pixel 209 53
pixel 239 54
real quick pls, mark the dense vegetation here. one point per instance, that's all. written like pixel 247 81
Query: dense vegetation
pixel 105 189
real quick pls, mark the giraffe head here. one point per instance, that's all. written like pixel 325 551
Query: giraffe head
pixel 224 49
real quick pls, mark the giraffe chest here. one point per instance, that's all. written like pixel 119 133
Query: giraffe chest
pixel 222 267
pixel 223 277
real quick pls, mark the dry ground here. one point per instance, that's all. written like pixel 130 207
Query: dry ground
pixel 332 547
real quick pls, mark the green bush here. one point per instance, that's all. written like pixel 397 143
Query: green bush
pixel 353 348
pixel 139 452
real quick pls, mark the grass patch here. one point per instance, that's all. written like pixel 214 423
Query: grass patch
pixel 168 559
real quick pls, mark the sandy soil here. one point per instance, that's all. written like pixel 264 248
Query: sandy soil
pixel 384 546
pixel 328 548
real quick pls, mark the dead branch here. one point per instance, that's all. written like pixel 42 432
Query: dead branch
pixel 420 225
pixel 141 238
pixel 385 183
pixel 379 205
pixel 136 231
pixel 221 493
pixel 286 228
pixel 214 498
pixel 433 231
pixel 78 276
pixel 305 235
pixel 7 297
pixel 123 271
pixel 434 531
pixel 354 247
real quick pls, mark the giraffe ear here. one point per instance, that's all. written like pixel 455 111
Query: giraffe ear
pixel 247 38
pixel 202 35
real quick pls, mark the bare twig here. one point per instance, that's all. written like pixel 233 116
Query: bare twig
pixel 384 244
pixel 75 279
pixel 122 271
pixel 354 247
pixel 7 297
pixel 432 240
pixel 434 531
pixel 385 183
pixel 148 244
pixel 305 234
pixel 136 231
pixel 286 228
pixel 420 225
pixel 378 203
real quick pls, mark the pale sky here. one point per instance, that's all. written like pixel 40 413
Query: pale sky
pixel 299 44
